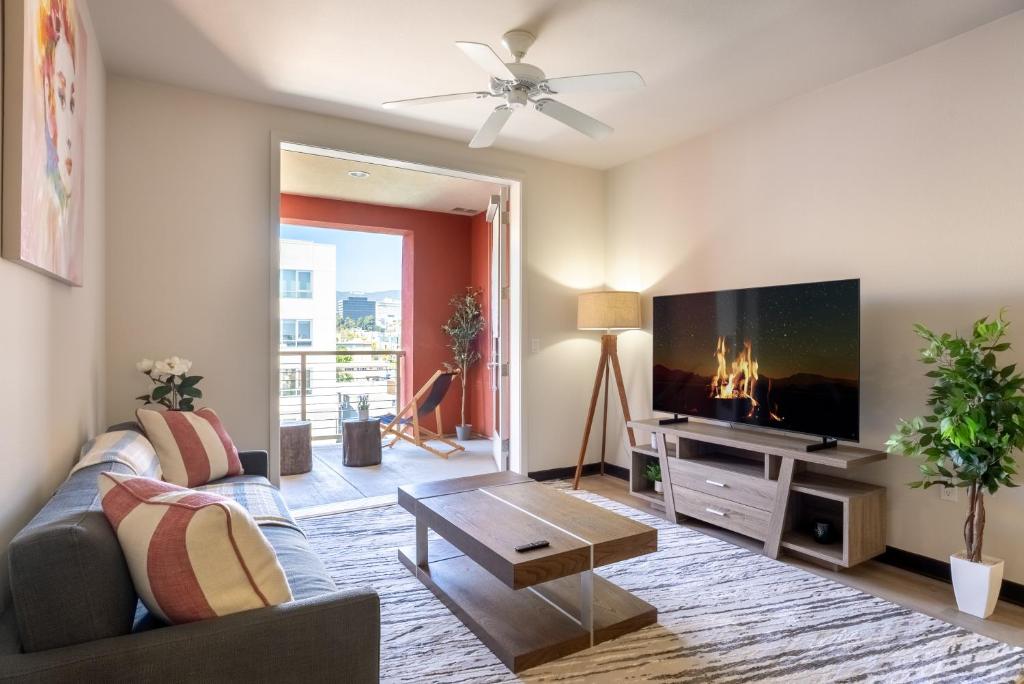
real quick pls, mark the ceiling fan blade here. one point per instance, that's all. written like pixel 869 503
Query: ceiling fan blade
pixel 488 133
pixel 434 98
pixel 573 118
pixel 589 83
pixel 487 59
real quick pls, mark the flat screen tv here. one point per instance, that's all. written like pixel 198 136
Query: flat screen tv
pixel 785 357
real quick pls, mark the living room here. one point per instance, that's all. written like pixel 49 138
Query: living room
pixel 771 145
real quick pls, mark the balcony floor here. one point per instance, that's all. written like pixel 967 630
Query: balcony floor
pixel 331 482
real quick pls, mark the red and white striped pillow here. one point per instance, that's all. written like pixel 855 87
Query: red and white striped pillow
pixel 193 446
pixel 192 555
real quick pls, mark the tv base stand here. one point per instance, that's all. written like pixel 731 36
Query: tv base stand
pixel 766 485
pixel 674 420
pixel 825 443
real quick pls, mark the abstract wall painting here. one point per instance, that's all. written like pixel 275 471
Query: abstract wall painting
pixel 45 81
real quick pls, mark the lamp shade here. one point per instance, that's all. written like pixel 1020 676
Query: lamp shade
pixel 608 311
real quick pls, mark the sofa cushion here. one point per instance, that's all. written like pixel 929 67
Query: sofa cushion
pixel 69 580
pixel 193 446
pixel 192 555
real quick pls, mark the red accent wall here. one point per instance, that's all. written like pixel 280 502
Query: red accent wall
pixel 436 258
pixel 480 399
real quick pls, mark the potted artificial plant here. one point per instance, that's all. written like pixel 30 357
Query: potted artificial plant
pixel 364 407
pixel 968 439
pixel 173 387
pixel 653 473
pixel 464 326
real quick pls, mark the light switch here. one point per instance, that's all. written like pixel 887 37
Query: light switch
pixel 534 345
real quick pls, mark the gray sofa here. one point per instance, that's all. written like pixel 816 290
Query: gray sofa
pixel 76 616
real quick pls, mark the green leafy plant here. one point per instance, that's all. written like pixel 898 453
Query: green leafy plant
pixel 364 402
pixel 174 387
pixel 976 420
pixel 464 326
pixel 653 472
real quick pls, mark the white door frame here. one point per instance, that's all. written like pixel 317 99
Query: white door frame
pixel 514 182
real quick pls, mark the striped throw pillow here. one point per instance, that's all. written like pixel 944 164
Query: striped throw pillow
pixel 192 555
pixel 193 446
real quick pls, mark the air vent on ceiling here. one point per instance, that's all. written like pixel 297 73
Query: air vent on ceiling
pixel 463 210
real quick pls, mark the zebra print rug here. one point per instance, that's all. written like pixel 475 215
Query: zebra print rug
pixel 724 615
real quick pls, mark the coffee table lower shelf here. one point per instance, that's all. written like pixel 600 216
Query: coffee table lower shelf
pixel 522 629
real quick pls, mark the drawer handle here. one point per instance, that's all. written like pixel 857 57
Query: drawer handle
pixel 714 512
pixel 716 484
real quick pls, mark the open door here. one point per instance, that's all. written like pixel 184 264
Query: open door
pixel 497 216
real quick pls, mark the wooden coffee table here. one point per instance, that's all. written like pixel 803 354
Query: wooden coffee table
pixel 533 607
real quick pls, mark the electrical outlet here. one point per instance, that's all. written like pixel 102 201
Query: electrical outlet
pixel 949 493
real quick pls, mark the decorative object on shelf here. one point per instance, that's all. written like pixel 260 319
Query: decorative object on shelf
pixel 824 532
pixel 45 96
pixel 975 424
pixel 364 407
pixel 653 473
pixel 464 326
pixel 174 387
pixel 606 311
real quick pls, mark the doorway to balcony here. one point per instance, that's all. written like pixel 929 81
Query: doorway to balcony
pixel 390 254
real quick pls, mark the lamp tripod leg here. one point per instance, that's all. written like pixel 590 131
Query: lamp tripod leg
pixel 602 366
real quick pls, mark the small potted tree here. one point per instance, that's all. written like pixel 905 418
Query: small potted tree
pixel 968 439
pixel 464 326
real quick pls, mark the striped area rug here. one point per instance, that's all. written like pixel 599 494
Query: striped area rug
pixel 725 615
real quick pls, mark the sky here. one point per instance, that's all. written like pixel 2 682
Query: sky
pixel 366 262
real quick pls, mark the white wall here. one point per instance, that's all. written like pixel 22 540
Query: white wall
pixel 189 179
pixel 910 177
pixel 52 339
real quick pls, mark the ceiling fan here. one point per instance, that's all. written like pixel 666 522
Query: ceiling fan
pixel 520 84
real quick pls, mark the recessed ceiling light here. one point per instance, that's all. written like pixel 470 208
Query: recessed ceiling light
pixel 359 174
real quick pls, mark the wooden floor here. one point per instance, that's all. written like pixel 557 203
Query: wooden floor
pixel 330 482
pixel 916 592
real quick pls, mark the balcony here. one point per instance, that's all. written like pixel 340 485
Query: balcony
pixel 324 388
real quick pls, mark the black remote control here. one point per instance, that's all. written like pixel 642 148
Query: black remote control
pixel 539 544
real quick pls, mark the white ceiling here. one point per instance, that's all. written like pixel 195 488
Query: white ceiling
pixel 706 62
pixel 327 176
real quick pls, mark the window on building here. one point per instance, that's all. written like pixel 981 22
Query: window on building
pixel 290 382
pixel 296 333
pixel 296 284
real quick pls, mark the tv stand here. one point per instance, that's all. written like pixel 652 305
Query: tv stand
pixel 674 420
pixel 825 443
pixel 770 486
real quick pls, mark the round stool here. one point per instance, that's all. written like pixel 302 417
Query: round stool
pixel 360 442
pixel 296 447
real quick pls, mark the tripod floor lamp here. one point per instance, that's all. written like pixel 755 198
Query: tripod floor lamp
pixel 606 311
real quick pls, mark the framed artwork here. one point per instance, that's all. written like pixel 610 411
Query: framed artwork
pixel 44 83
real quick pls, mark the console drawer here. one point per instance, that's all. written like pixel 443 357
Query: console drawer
pixel 722 483
pixel 753 522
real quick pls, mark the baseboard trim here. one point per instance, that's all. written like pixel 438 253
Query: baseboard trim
pixel 569 472
pixel 1012 592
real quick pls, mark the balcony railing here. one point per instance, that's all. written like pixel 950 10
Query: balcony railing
pixel 324 387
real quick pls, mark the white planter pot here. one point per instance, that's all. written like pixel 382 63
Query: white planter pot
pixel 657 486
pixel 364 414
pixel 976 585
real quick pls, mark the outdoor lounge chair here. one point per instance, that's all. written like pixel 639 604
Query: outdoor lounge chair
pixel 406 424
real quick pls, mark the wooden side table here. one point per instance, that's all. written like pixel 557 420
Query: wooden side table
pixel 296 447
pixel 360 442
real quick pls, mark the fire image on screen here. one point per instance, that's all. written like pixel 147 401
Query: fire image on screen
pixel 785 357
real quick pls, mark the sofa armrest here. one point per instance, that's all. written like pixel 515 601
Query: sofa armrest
pixel 255 463
pixel 332 637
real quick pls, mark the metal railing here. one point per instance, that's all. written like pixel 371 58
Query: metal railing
pixel 324 387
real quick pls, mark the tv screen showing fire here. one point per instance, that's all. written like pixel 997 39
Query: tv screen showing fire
pixel 784 357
